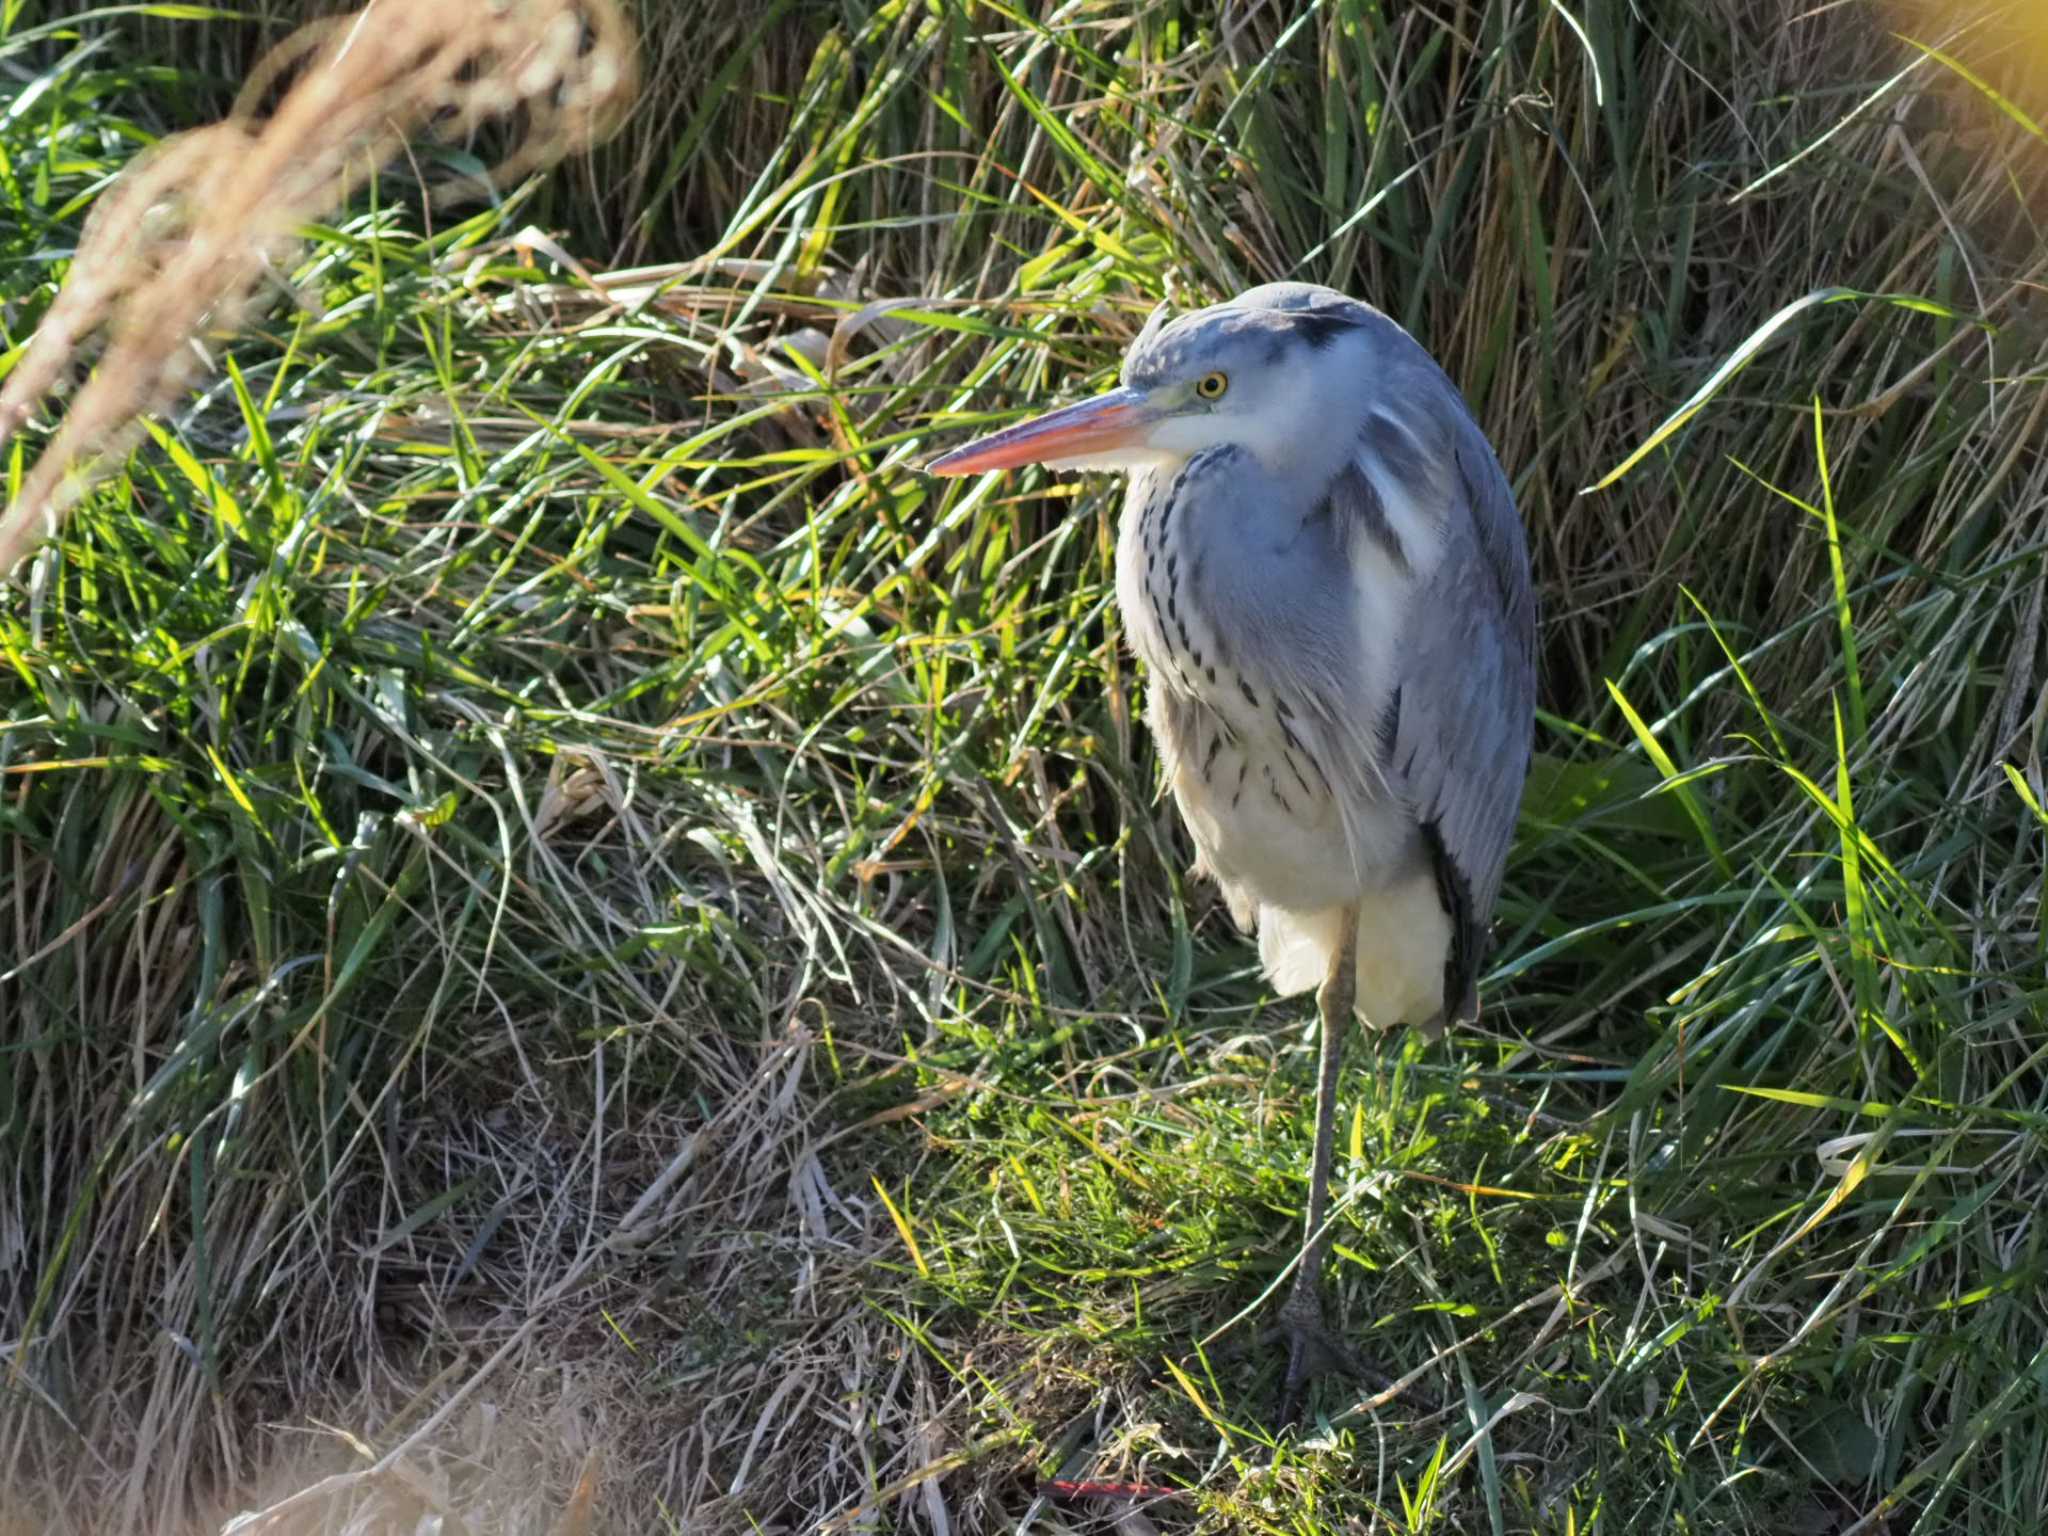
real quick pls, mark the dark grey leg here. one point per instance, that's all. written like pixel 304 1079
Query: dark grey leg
pixel 1308 1344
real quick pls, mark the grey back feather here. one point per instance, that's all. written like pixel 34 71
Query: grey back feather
pixel 1457 733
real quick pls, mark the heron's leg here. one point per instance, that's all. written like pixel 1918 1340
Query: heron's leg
pixel 1308 1344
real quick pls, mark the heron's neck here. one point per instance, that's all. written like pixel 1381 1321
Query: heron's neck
pixel 1163 574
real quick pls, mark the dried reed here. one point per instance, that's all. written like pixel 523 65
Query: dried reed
pixel 180 247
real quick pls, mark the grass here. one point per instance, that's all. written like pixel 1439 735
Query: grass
pixel 587 950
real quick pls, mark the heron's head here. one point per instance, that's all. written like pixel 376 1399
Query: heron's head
pixel 1272 371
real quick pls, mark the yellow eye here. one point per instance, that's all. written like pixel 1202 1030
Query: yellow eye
pixel 1210 386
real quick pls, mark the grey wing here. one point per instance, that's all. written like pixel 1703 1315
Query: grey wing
pixel 1463 724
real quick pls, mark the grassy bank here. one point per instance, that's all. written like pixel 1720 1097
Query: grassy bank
pixel 574 928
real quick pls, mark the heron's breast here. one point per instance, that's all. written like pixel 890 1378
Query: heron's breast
pixel 1165 589
pixel 1262 816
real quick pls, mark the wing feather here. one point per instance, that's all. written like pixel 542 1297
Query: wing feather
pixel 1433 535
pixel 1467 679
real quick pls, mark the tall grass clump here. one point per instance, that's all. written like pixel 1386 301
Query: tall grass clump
pixel 584 949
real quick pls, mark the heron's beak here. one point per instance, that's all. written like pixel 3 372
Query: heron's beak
pixel 1075 435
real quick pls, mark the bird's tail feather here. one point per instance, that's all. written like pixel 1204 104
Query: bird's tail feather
pixel 1297 948
pixel 1402 943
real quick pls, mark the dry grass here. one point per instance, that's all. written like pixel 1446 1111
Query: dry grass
pixel 583 954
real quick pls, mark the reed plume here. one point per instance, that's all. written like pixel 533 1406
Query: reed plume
pixel 180 247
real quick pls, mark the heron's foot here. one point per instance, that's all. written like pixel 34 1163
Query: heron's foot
pixel 1312 1351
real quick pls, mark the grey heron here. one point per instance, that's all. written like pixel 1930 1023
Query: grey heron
pixel 1320 562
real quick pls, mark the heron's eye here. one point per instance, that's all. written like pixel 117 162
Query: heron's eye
pixel 1210 386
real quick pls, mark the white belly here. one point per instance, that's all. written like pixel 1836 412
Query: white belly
pixel 1264 819
pixel 1289 865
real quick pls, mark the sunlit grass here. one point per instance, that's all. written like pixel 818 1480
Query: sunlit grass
pixel 528 826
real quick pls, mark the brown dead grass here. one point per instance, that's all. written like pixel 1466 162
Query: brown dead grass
pixel 667 1287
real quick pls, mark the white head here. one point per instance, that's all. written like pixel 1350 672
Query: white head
pixel 1286 371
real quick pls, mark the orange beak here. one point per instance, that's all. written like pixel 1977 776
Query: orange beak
pixel 1073 434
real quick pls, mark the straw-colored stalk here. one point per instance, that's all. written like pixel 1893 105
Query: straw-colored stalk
pixel 178 249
